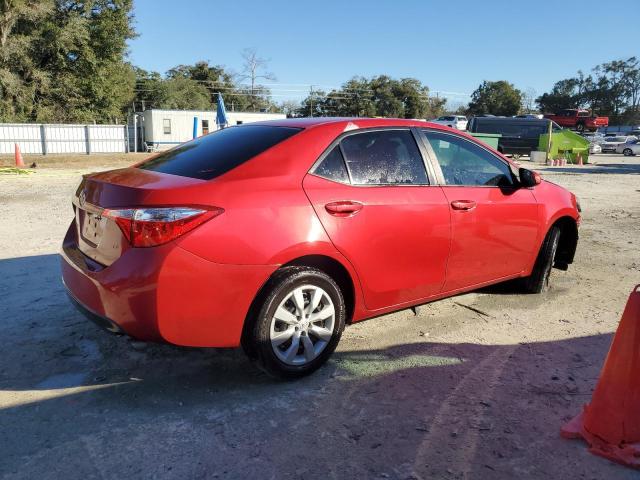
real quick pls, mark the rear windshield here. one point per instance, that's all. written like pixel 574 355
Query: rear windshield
pixel 212 155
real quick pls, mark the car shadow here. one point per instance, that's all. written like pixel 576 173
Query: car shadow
pixel 76 402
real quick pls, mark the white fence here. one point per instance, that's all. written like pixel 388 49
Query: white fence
pixel 51 138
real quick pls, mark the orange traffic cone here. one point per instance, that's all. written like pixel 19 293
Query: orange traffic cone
pixel 610 424
pixel 580 160
pixel 19 160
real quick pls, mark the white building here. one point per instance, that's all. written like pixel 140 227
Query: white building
pixel 163 129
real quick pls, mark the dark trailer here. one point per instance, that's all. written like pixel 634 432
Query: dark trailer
pixel 519 135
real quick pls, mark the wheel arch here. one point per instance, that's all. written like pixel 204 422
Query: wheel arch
pixel 568 241
pixel 327 264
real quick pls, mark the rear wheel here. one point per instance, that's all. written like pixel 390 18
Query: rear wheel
pixel 627 152
pixel 580 127
pixel 538 281
pixel 516 156
pixel 298 324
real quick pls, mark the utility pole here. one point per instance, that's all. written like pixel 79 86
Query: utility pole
pixel 135 129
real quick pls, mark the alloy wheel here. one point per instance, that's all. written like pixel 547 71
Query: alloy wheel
pixel 302 325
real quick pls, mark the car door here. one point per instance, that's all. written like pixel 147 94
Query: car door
pixel 374 198
pixel 494 222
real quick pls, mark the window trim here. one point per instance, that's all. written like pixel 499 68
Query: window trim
pixel 433 159
pixel 431 178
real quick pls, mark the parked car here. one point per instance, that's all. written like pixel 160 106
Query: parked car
pixel 580 120
pixel 530 115
pixel 519 136
pixel 274 235
pixel 611 144
pixel 453 121
pixel 594 137
pixel 631 147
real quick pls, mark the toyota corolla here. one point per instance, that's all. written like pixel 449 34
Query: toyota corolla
pixel 275 235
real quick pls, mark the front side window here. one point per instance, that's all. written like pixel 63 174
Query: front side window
pixel 464 163
pixel 384 157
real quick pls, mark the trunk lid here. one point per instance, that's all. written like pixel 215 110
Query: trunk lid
pixel 99 237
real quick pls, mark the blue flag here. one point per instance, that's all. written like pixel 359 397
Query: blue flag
pixel 221 115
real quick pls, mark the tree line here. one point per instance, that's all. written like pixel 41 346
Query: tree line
pixel 66 61
pixel 612 89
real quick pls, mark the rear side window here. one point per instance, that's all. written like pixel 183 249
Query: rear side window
pixel 465 163
pixel 384 157
pixel 208 157
pixel 333 167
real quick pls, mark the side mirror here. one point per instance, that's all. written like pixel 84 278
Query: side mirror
pixel 528 178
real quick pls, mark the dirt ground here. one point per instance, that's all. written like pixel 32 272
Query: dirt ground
pixel 448 394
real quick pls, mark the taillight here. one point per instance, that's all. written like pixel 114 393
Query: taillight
pixel 148 227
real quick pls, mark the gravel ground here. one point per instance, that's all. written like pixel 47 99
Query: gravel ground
pixel 449 393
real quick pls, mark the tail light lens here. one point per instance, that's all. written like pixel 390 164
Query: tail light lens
pixel 148 227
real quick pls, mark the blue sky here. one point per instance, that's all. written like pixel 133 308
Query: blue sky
pixel 451 46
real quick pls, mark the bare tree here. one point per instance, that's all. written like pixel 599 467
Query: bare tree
pixel 289 107
pixel 528 99
pixel 254 70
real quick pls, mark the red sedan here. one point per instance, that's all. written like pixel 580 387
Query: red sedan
pixel 274 235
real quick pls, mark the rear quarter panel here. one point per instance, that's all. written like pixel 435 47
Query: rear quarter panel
pixel 267 217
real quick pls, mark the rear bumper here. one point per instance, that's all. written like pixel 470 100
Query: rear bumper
pixel 164 294
pixel 103 322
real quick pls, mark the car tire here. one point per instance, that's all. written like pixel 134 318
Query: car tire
pixel 516 156
pixel 580 127
pixel 538 281
pixel 282 338
pixel 627 152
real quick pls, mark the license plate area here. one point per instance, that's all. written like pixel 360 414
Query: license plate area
pixel 92 227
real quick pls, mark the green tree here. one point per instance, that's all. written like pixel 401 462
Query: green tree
pixel 495 98
pixel 212 77
pixel 380 96
pixel 563 95
pixel 21 77
pixel 64 60
pixel 612 89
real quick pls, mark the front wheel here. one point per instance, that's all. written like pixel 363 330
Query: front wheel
pixel 298 324
pixel 580 127
pixel 627 152
pixel 538 281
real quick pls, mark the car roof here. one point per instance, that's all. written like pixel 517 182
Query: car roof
pixel 353 123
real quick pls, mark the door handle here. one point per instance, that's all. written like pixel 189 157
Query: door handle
pixel 464 205
pixel 343 208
